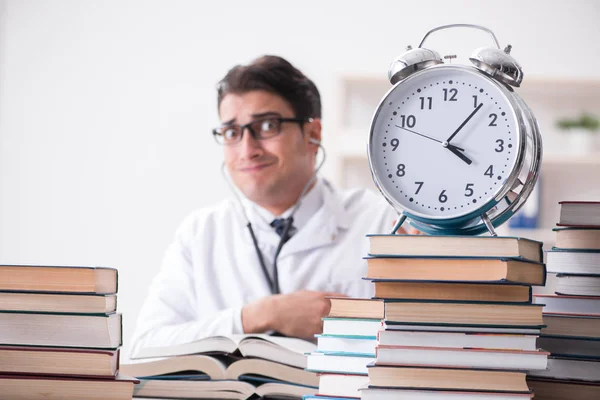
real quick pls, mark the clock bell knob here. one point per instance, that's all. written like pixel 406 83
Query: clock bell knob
pixel 411 61
pixel 499 64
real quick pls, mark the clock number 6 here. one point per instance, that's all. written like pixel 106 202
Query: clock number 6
pixel 443 198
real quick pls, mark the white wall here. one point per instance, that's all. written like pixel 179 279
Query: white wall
pixel 106 106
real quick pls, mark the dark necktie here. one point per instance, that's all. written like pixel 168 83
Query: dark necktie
pixel 279 225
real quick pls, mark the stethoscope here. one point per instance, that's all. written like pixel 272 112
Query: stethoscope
pixel 287 224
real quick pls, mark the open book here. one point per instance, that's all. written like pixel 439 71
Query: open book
pixel 229 358
pixel 218 368
pixel 284 350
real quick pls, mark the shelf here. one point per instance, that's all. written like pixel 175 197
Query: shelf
pixel 592 159
pixel 352 144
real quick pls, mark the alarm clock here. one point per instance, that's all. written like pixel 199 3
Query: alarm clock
pixel 453 148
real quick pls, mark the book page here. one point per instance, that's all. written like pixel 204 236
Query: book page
pixel 293 344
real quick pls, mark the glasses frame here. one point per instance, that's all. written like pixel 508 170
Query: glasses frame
pixel 255 135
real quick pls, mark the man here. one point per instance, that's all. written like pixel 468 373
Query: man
pixel 212 280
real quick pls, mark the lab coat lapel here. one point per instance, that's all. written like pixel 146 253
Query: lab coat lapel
pixel 323 228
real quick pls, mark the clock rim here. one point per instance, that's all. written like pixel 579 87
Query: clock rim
pixel 456 221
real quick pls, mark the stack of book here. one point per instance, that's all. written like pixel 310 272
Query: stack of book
pixel 60 333
pixel 572 307
pixel 457 321
pixel 225 367
pixel 346 346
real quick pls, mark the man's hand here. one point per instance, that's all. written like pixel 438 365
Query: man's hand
pixel 295 314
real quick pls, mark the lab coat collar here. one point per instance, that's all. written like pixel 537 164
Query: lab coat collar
pixel 311 202
pixel 334 204
pixel 321 229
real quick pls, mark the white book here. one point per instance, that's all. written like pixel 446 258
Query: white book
pixel 411 394
pixel 344 364
pixel 576 305
pixel 573 262
pixel 342 385
pixel 566 368
pixel 351 326
pixel 458 328
pixel 461 358
pixel 578 285
pixel 348 344
pixel 458 340
pixel 102 331
pixel 579 213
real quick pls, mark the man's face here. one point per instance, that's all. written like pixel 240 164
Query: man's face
pixel 270 172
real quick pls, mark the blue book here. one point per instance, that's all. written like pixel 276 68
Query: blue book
pixel 528 216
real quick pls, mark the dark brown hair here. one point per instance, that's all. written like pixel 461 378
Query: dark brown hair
pixel 275 75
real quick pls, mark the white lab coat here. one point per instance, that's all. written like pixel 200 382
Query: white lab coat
pixel 211 270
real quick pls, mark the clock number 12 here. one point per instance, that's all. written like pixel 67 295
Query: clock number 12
pixel 453 92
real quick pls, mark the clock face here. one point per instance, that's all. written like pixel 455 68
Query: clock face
pixel 443 142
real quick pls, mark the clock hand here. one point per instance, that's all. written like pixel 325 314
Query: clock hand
pixel 428 137
pixel 464 122
pixel 458 153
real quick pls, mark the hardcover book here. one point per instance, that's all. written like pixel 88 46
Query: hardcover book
pixel 58 361
pixel 58 302
pixel 468 291
pixel 577 238
pixel 101 331
pixel 463 313
pixel 456 246
pixel 37 387
pixel 579 213
pixel 573 261
pixel 61 279
pixel 382 393
pixel 458 270
pixel 405 376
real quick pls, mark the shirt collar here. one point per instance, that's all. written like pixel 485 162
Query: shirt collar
pixel 309 205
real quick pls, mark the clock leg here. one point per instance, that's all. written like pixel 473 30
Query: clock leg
pixel 488 224
pixel 398 224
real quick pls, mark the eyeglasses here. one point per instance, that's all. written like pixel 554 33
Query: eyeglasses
pixel 264 128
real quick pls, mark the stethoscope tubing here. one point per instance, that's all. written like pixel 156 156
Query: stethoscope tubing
pixel 274 281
